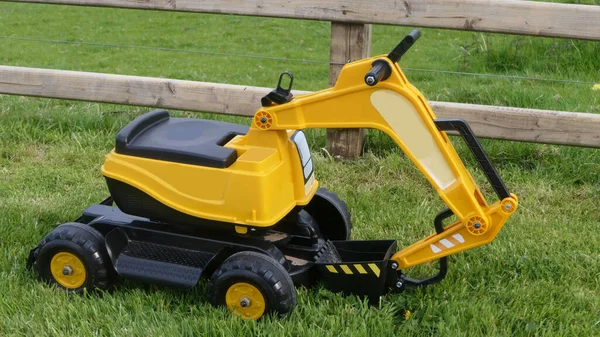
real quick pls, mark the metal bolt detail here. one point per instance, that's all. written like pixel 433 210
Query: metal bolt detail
pixel 508 207
pixel 477 225
pixel 370 80
pixel 399 284
pixel 263 119
pixel 245 302
pixel 394 265
pixel 67 270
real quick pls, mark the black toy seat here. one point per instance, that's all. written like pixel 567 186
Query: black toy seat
pixel 156 135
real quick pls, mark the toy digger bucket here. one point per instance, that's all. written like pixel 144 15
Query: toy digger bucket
pixel 357 267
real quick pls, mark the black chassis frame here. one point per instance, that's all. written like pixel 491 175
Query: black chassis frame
pixel 118 228
pixel 214 247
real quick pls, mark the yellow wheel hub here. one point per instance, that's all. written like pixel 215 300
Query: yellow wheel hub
pixel 245 300
pixel 68 270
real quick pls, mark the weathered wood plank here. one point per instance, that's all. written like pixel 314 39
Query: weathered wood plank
pixel 502 16
pixel 349 42
pixel 131 90
pixel 530 125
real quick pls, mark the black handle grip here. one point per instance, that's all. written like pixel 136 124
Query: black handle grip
pixel 380 71
pixel 404 45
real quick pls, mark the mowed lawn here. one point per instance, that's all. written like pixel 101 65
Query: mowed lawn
pixel 541 277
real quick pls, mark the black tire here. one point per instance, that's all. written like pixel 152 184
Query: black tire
pixel 331 214
pixel 82 242
pixel 259 270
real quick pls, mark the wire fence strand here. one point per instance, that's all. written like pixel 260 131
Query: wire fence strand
pixel 284 59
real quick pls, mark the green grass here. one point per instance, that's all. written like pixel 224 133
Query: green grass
pixel 541 277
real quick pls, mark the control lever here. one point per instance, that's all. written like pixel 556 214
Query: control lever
pixel 381 69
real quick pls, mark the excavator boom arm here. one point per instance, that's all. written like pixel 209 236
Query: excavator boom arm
pixel 388 102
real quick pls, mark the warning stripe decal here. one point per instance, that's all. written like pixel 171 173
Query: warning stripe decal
pixel 448 242
pixel 374 268
pixel 360 269
pixel 363 269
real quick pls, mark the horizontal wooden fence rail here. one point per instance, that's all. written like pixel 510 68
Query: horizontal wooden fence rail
pixel 540 126
pixel 500 16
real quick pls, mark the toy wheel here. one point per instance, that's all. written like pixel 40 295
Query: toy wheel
pixel 332 215
pixel 74 257
pixel 251 285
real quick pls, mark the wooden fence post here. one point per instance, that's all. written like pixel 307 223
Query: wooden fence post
pixel 349 42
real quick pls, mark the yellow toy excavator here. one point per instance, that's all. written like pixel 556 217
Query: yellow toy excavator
pixel 241 205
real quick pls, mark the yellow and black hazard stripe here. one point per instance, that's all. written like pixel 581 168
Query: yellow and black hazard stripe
pixel 351 269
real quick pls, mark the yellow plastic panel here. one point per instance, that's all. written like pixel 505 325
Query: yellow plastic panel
pixel 257 159
pixel 249 197
pixel 406 122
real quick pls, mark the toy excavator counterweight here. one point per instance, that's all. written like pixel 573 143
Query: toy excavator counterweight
pixel 241 205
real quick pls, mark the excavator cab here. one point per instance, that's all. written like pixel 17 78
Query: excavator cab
pixel 199 172
pixel 158 158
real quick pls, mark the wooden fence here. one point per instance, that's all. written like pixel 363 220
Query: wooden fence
pixel 350 40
